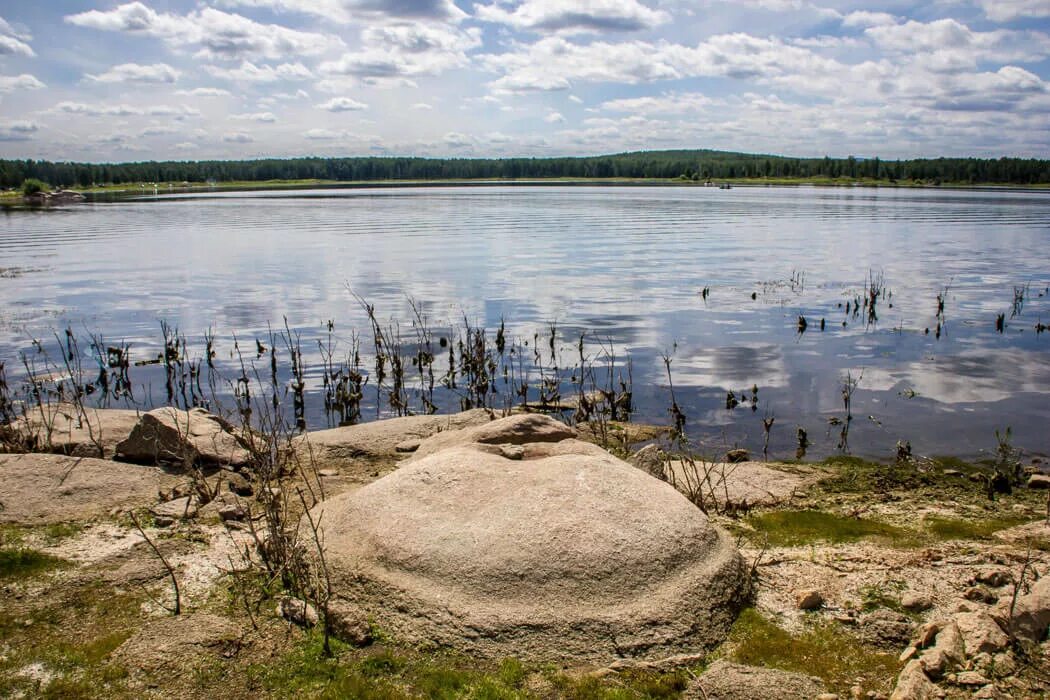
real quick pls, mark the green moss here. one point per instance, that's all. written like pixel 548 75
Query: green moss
pixel 976 529
pixel 20 562
pixel 822 649
pixel 852 474
pixel 786 528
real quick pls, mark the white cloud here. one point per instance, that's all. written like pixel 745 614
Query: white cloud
pixel 25 81
pixel 252 73
pixel 394 53
pixel 864 18
pixel 554 118
pixel 422 106
pixel 577 100
pixel 457 140
pixel 262 117
pixel 348 10
pixel 124 110
pixel 18 131
pixel 342 104
pixel 11 45
pixel 323 134
pixel 1008 10
pixel 158 73
pixel 204 92
pixel 159 131
pixel 575 16
pixel 237 137
pixel 217 34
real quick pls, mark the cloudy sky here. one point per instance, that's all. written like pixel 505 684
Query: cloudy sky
pixel 104 80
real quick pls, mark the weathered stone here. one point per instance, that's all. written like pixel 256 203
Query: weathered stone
pixel 886 628
pixel 298 612
pixel 407 446
pixel 916 602
pixel 981 594
pixel 237 483
pixel 650 459
pixel 36 489
pixel 572 556
pixel 180 508
pixel 513 430
pixel 728 681
pixel 348 624
pixel 971 678
pixel 88 432
pixel 342 447
pixel 751 483
pixel 912 684
pixel 993 577
pixel 1031 613
pixel 180 437
pixel 738 455
pixel 981 634
pixel 808 599
pixel 328 473
pixel 1039 481
pixel 934 663
pixel 232 512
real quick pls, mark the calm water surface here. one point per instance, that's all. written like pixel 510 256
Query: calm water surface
pixel 625 265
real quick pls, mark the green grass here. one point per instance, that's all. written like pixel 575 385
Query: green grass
pixel 393 672
pixel 959 529
pixel 788 528
pixel 822 649
pixel 20 562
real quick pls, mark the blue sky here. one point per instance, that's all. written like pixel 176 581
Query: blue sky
pixel 104 80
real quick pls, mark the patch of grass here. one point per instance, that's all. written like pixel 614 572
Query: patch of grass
pixel 960 529
pixel 787 528
pixel 20 562
pixel 823 649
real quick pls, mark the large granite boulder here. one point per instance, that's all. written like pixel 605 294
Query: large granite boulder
pixel 340 447
pixel 176 436
pixel 37 489
pixel 545 551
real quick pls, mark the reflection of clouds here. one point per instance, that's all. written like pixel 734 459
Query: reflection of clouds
pixel 969 376
pixel 731 367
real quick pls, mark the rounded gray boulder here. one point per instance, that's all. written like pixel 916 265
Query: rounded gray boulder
pixel 550 554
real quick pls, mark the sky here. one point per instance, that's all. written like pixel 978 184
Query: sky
pixel 111 81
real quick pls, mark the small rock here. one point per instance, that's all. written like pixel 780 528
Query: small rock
pixel 407 446
pixel 988 692
pixel 298 612
pixel 981 594
pixel 981 634
pixel 163 521
pixel 952 472
pixel 650 459
pixel 912 684
pixel 185 507
pixel 809 599
pixel 993 577
pixel 328 473
pixel 1003 665
pixel 738 455
pixel 348 624
pixel 907 654
pixel 827 696
pixel 856 693
pixel 512 451
pixel 916 602
pixel 232 512
pixel 239 484
pixel 934 662
pixel 928 633
pixel 1039 481
pixel 886 628
pixel 970 678
pixel 1031 614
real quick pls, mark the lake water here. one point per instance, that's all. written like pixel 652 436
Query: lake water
pixel 626 265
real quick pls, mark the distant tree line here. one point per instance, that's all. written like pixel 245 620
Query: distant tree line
pixel 693 164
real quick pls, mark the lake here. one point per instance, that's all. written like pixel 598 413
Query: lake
pixel 626 266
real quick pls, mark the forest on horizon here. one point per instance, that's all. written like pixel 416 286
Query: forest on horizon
pixel 690 164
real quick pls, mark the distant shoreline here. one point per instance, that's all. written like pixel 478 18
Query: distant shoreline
pixel 147 189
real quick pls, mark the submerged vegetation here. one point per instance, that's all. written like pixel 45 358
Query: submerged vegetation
pixel 692 165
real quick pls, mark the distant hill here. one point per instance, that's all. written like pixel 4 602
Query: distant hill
pixel 689 164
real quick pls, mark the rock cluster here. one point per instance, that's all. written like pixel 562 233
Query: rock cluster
pixel 514 538
pixel 971 649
